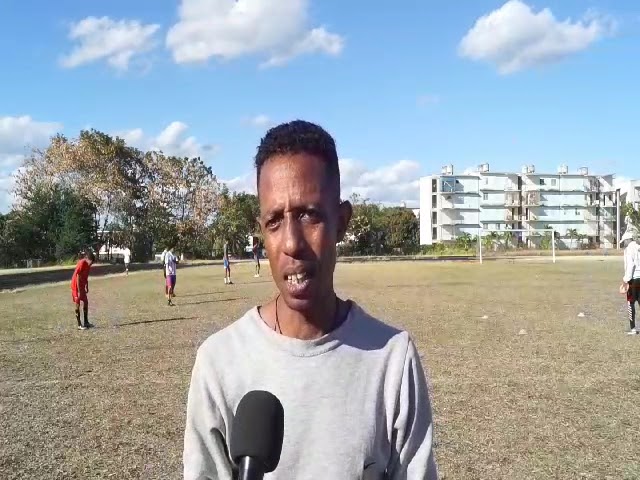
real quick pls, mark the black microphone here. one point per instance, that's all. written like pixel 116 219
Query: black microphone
pixel 256 435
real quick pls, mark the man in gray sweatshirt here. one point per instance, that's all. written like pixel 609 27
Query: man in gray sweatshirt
pixel 355 397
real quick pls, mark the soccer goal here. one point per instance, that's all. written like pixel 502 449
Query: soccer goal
pixel 516 243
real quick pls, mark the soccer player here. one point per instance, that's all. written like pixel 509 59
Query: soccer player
pixel 256 256
pixel 170 262
pixel 127 259
pixel 353 389
pixel 631 278
pixel 227 265
pixel 80 288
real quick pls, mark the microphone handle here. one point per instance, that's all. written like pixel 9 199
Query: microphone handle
pixel 250 469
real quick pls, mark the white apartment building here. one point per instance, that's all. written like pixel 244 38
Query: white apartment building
pixel 632 194
pixel 451 205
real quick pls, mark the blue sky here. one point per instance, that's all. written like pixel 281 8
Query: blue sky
pixel 404 90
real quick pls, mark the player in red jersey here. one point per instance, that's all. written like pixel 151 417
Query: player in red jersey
pixel 80 288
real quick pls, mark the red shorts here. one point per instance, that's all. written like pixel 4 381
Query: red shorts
pixel 79 298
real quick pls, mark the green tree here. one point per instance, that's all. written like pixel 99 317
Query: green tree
pixel 506 238
pixel 573 235
pixel 401 229
pixel 464 241
pixel 96 166
pixel 367 230
pixel 236 218
pixel 51 222
pixel 628 212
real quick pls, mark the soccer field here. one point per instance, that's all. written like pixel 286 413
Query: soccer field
pixel 522 386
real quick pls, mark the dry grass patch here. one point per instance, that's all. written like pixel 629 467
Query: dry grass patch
pixel 560 401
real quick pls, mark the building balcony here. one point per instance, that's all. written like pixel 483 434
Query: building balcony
pixel 492 203
pixel 451 205
pixel 452 189
pixel 448 222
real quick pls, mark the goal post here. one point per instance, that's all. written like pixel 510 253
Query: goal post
pixel 517 241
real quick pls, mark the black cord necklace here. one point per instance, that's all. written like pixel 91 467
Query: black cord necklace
pixel 277 328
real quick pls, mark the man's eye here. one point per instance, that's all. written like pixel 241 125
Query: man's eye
pixel 311 216
pixel 272 222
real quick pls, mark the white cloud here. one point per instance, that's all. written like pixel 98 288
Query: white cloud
pixel 115 41
pixel 317 40
pixel 16 133
pixel 17 136
pixel 515 38
pixel 7 182
pixel 243 183
pixel 259 121
pixel 172 140
pixel 390 184
pixel 228 29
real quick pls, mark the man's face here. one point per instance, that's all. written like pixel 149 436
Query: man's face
pixel 301 220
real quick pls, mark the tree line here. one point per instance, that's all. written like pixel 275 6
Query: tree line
pixel 94 190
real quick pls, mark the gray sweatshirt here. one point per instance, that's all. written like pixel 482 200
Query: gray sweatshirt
pixel 356 404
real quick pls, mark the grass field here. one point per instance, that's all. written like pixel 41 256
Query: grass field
pixel 522 387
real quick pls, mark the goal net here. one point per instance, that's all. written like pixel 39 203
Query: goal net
pixel 516 243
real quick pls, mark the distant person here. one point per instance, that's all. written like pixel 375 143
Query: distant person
pixel 256 257
pixel 355 397
pixel 631 279
pixel 170 263
pixel 227 264
pixel 126 253
pixel 80 288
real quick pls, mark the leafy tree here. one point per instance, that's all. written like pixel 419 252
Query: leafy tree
pixel 236 218
pixel 51 223
pixel 95 165
pixel 402 229
pixel 367 230
pixel 632 215
pixel 573 235
pixel 183 193
pixel 490 241
pixel 464 241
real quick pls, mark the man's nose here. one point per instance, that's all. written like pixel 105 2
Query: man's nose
pixel 293 240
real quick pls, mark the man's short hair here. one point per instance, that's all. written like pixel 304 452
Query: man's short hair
pixel 297 137
pixel 90 256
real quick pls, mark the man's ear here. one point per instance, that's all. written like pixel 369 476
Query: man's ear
pixel 344 217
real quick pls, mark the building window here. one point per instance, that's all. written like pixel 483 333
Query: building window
pixel 486 180
pixel 542 181
pixel 485 196
pixel 434 233
pixel 577 212
pixel 497 226
pixel 485 225
pixel 434 218
pixel 434 201
pixel 434 185
pixel 553 182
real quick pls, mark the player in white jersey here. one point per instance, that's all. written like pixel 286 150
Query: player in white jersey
pixel 127 259
pixel 631 279
pixel 170 267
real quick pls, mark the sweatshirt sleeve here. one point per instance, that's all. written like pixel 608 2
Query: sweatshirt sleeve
pixel 629 264
pixel 205 454
pixel 412 441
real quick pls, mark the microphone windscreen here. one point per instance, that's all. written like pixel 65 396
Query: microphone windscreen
pixel 258 429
